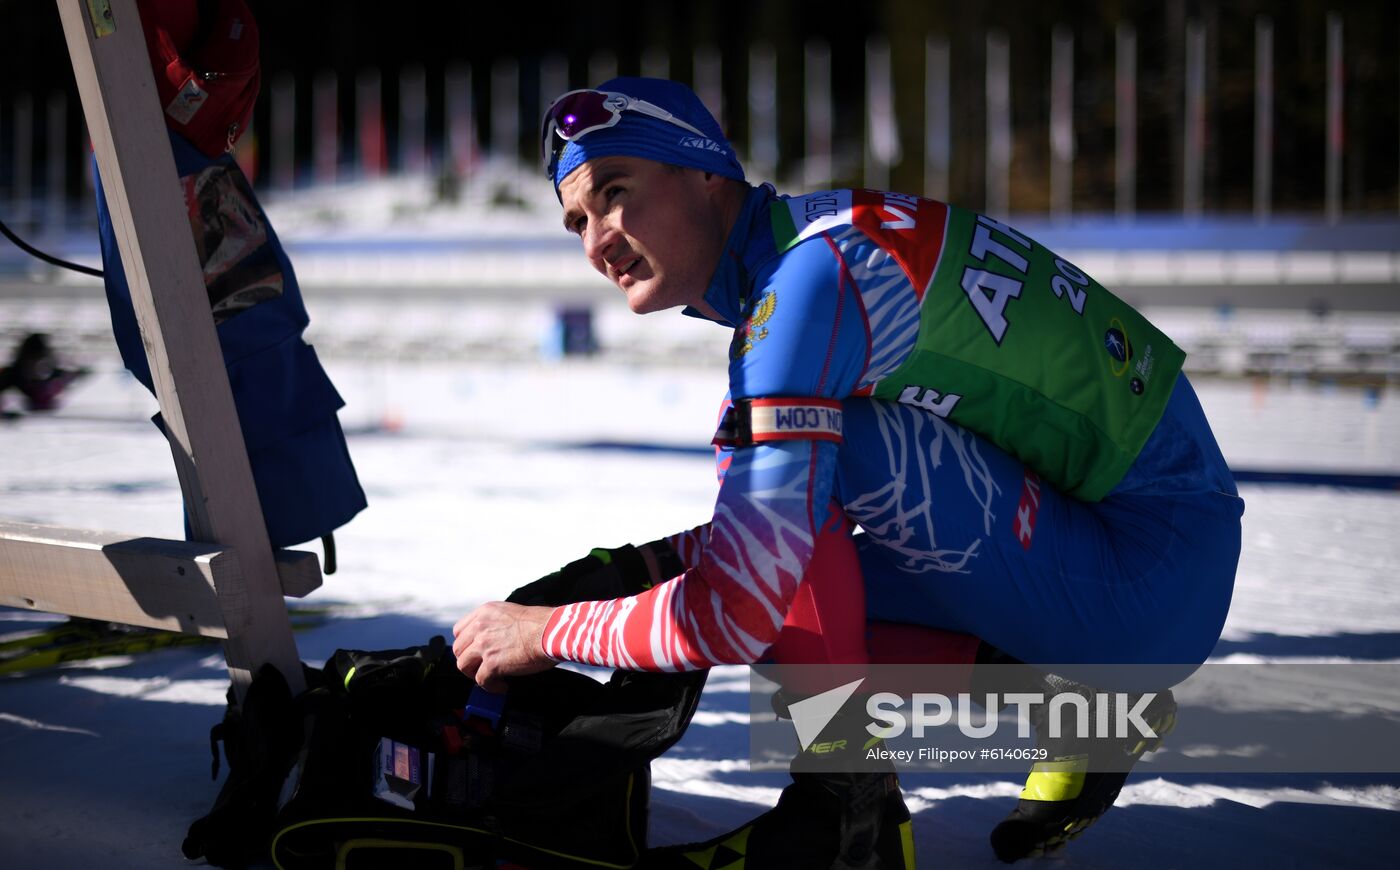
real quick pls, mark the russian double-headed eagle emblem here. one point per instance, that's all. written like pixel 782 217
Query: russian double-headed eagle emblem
pixel 753 330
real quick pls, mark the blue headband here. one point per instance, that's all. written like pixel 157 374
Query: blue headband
pixel 638 135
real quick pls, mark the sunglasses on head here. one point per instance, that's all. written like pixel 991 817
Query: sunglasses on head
pixel 580 112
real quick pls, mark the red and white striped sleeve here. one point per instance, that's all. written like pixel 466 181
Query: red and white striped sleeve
pixel 728 608
pixel 688 545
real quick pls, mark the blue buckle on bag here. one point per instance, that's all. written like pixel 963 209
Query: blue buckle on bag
pixel 485 706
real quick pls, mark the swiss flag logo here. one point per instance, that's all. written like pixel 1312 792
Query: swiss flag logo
pixel 1027 510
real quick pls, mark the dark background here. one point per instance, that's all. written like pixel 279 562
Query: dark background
pixel 304 38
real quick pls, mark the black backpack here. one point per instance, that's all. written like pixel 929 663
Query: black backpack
pixel 401 762
pixel 405 765
pixel 393 759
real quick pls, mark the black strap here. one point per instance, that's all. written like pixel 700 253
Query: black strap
pixel 328 545
pixel 47 258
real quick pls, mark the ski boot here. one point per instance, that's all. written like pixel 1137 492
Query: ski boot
pixel 842 821
pixel 835 814
pixel 1081 778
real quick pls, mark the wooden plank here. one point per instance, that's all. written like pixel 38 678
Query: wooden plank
pixel 181 586
pixel 298 572
pixel 125 121
pixel 104 575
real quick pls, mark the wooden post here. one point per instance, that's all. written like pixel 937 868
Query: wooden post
pixel 709 82
pixel 370 154
pixel 56 182
pixel 998 125
pixel 284 132
pixel 938 126
pixel 22 183
pixel 819 115
pixel 1336 132
pixel 602 66
pixel 1125 118
pixel 1193 162
pixel 325 136
pixel 656 63
pixel 1263 117
pixel 125 120
pixel 413 120
pixel 1061 123
pixel 505 115
pixel 554 82
pixel 881 128
pixel 763 113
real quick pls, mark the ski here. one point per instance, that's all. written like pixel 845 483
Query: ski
pixel 85 639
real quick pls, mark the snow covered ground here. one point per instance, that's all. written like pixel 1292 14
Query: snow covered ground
pixel 483 476
pixel 487 465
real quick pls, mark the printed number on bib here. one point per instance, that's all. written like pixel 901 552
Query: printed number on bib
pixel 990 291
pixel 1061 286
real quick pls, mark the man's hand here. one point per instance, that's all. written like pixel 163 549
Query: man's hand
pixel 499 640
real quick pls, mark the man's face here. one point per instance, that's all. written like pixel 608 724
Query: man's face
pixel 654 231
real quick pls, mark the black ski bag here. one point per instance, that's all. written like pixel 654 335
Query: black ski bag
pixel 406 764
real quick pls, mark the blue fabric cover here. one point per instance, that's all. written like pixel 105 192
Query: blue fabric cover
pixel 286 403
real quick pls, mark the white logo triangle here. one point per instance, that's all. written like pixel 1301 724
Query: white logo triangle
pixel 811 715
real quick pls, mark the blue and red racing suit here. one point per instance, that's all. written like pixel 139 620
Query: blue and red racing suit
pixel 966 528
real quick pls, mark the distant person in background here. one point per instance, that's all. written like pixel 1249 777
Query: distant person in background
pixel 35 373
pixel 1030 474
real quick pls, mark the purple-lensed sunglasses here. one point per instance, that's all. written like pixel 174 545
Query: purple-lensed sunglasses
pixel 580 112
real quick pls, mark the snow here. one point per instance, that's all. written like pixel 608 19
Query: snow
pixel 479 478
pixel 487 464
